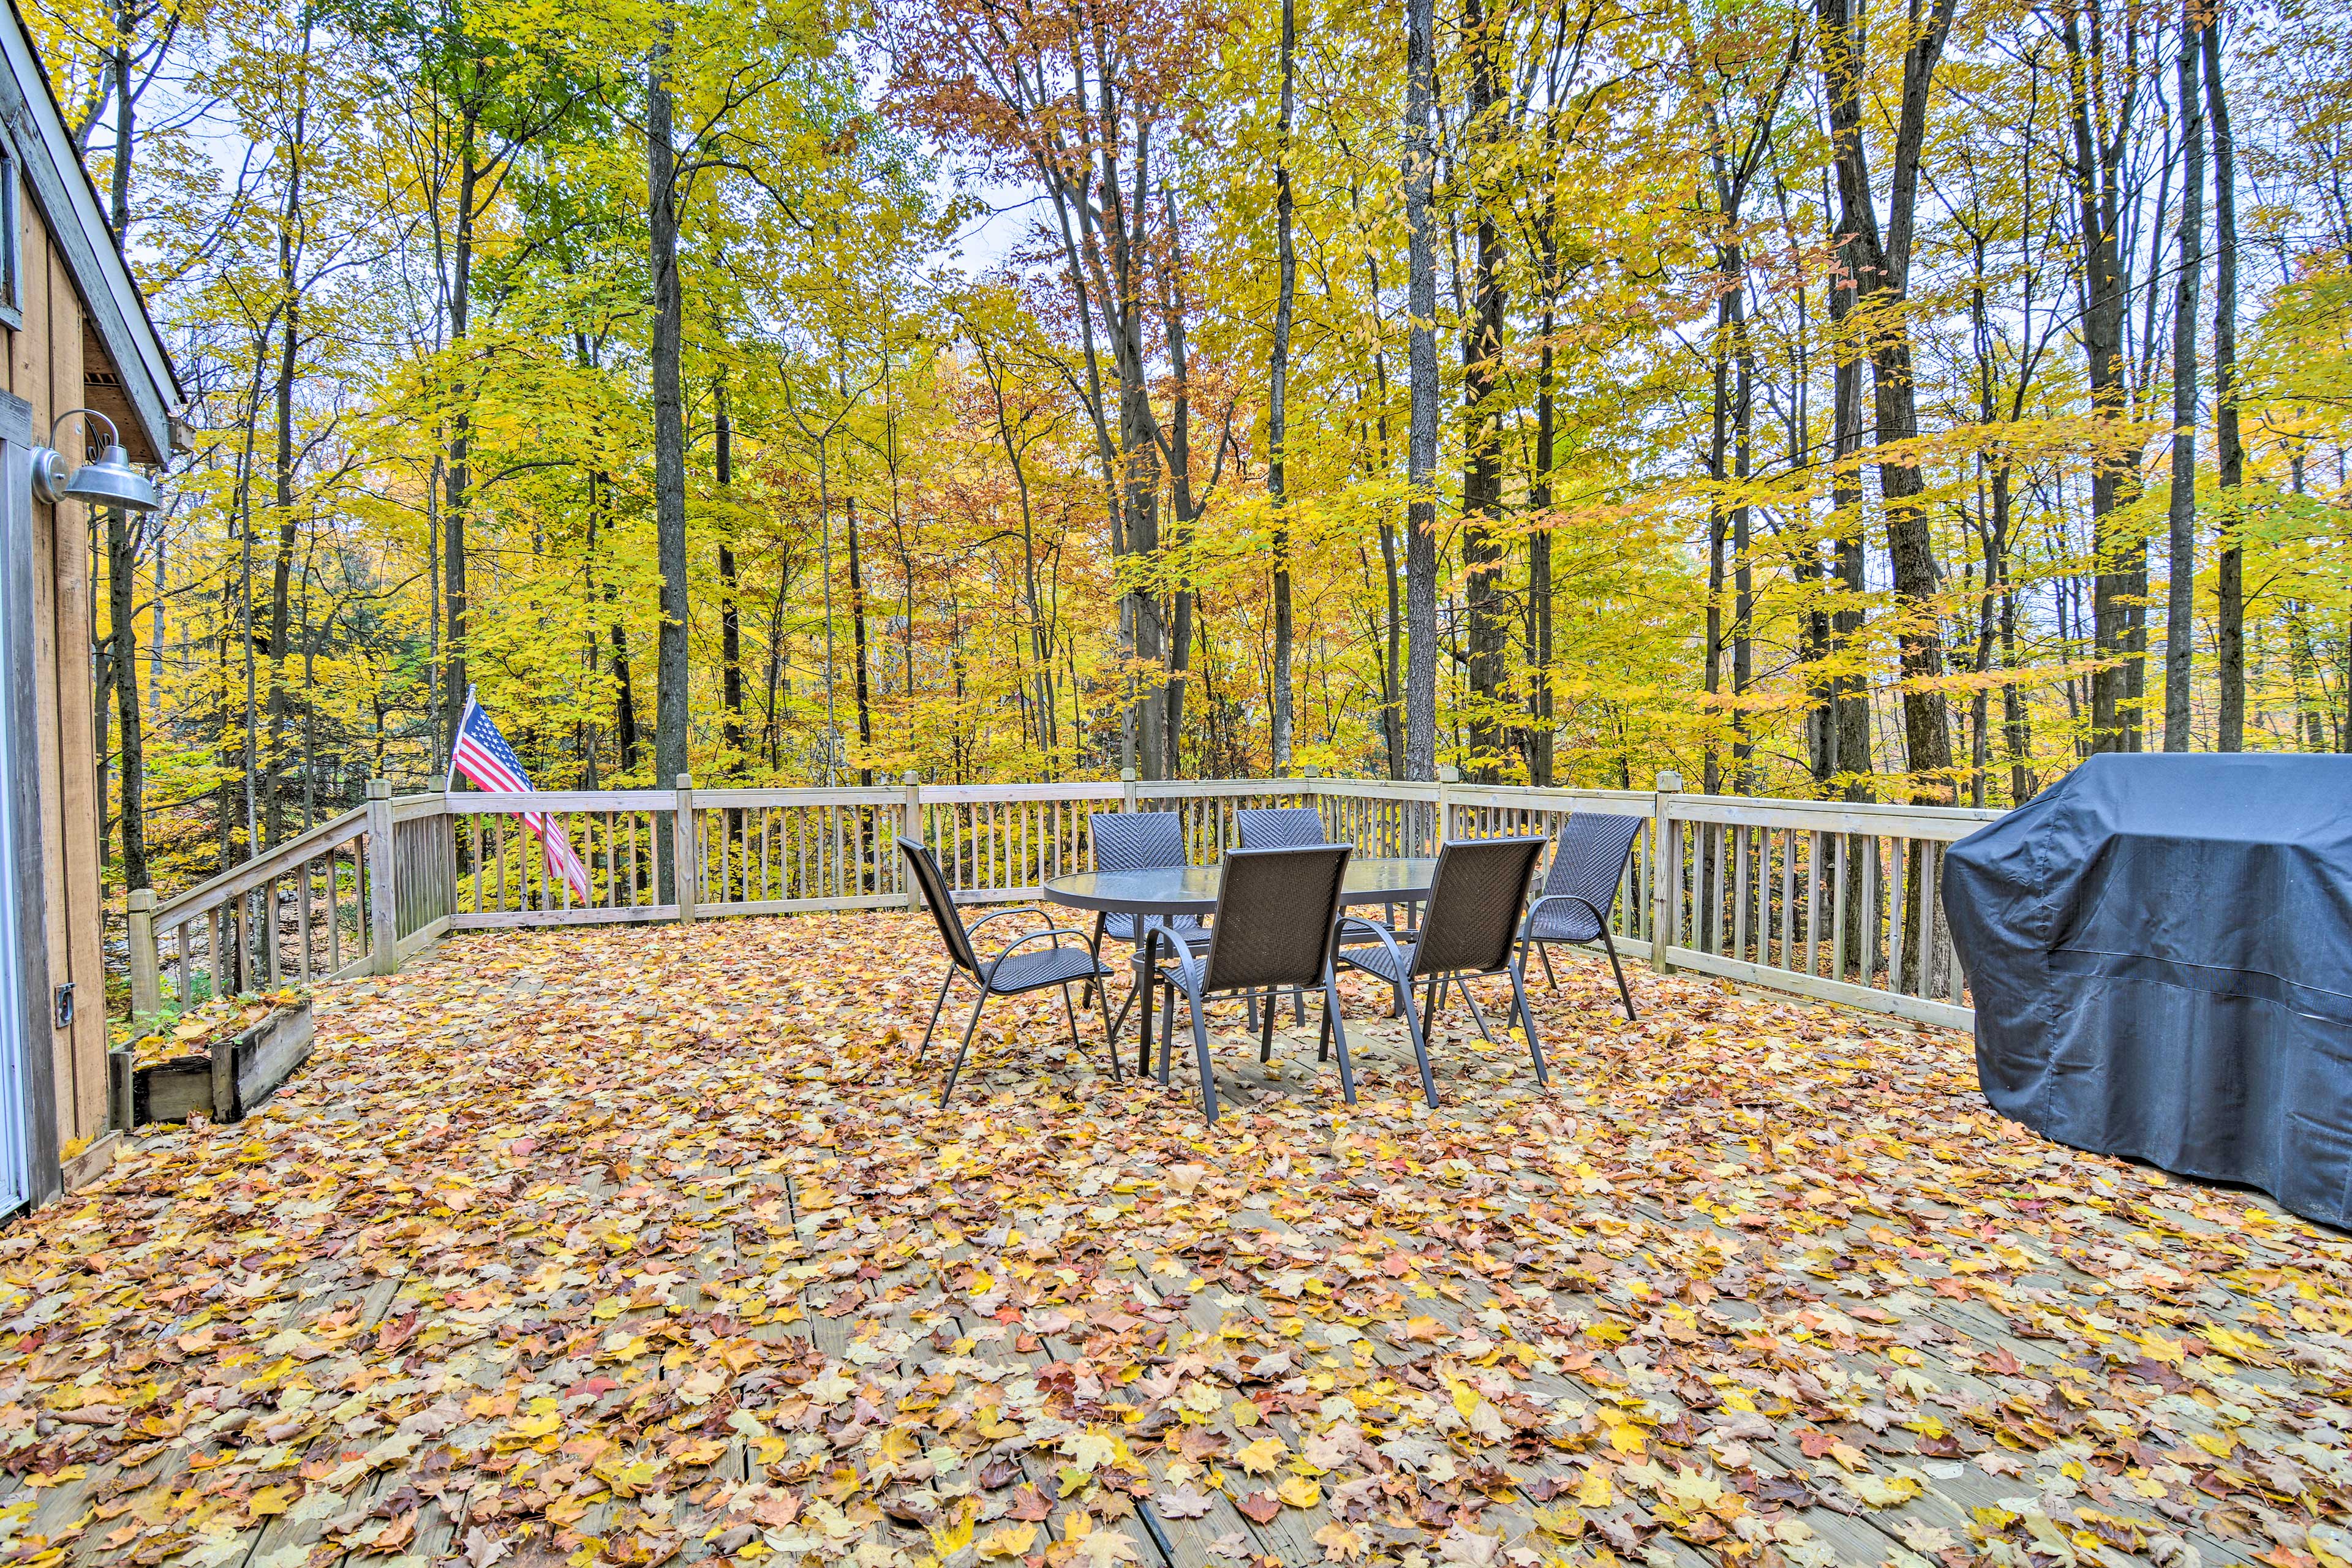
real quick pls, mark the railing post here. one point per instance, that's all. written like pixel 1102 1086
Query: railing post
pixel 146 988
pixel 384 952
pixel 1448 775
pixel 913 829
pixel 1665 875
pixel 1126 789
pixel 686 864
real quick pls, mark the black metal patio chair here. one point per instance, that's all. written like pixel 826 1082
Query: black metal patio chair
pixel 1280 827
pixel 1274 927
pixel 1471 929
pixel 1580 892
pixel 1134 841
pixel 1009 972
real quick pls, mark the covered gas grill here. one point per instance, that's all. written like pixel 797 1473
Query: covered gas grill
pixel 2161 952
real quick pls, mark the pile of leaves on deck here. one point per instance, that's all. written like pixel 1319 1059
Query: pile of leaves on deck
pixel 192 1033
pixel 627 1247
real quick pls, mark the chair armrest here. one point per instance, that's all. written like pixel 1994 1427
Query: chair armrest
pixel 1180 950
pixel 1029 936
pixel 1528 924
pixel 1376 928
pixel 999 914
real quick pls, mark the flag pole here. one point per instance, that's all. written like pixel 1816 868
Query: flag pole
pixel 449 782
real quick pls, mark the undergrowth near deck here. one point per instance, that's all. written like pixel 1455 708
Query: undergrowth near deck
pixel 633 1244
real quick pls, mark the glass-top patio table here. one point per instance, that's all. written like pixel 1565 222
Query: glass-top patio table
pixel 1160 894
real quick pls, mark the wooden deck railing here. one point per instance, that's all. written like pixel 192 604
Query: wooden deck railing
pixel 1825 899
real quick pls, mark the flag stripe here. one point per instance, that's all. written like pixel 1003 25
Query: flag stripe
pixel 489 763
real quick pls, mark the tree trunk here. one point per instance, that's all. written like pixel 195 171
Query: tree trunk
pixel 857 634
pixel 290 251
pixel 1421 449
pixel 1481 365
pixel 121 610
pixel 2096 171
pixel 1850 753
pixel 2230 453
pixel 458 472
pixel 1885 261
pixel 1277 395
pixel 730 632
pixel 2180 514
pixel 670 687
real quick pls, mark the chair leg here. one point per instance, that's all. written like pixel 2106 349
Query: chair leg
pixel 1420 1033
pixel 1527 1022
pixel 949 1087
pixel 1543 951
pixel 1126 1003
pixel 1334 1027
pixel 1265 1032
pixel 1110 1033
pixel 1167 1026
pixel 1323 1046
pixel 1144 980
pixel 1299 1003
pixel 1070 1011
pixel 1619 970
pixel 1462 984
pixel 945 981
pixel 1430 995
pixel 1094 951
pixel 1201 1049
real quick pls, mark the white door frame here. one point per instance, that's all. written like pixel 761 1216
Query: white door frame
pixel 28 1131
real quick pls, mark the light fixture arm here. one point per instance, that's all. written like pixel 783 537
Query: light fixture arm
pixel 109 480
pixel 113 436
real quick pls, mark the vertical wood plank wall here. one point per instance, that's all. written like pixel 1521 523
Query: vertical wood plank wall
pixel 45 368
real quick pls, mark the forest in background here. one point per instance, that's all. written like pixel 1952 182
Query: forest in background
pixel 1887 403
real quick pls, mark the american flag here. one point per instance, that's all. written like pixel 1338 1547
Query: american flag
pixel 483 755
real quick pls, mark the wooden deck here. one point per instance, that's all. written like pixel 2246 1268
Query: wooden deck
pixel 626 1245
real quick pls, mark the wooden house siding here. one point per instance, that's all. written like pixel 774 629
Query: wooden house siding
pixel 45 365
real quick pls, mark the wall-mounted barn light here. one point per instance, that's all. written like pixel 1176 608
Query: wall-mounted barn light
pixel 111 480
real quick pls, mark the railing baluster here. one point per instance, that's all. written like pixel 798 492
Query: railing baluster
pixel 1740 838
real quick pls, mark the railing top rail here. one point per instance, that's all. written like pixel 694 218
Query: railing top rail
pixel 1377 789
pixel 1165 789
pixel 409 807
pixel 253 873
pixel 1605 801
pixel 494 801
pixel 1074 790
pixel 1941 822
pixel 856 794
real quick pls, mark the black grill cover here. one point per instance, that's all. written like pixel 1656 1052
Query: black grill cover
pixel 2160 949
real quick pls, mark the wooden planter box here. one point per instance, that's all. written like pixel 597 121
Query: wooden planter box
pixel 235 1076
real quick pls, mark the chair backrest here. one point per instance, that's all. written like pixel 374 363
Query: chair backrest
pixel 1590 860
pixel 1136 840
pixel 1276 911
pixel 1475 903
pixel 1280 826
pixel 920 861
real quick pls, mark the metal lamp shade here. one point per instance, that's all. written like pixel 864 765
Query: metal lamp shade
pixel 112 481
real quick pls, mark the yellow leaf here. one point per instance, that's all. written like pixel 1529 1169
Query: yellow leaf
pixel 1012 1540
pixel 1340 1543
pixel 268 1501
pixel 1299 1491
pixel 1592 1490
pixel 1259 1458
pixel 952 1534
